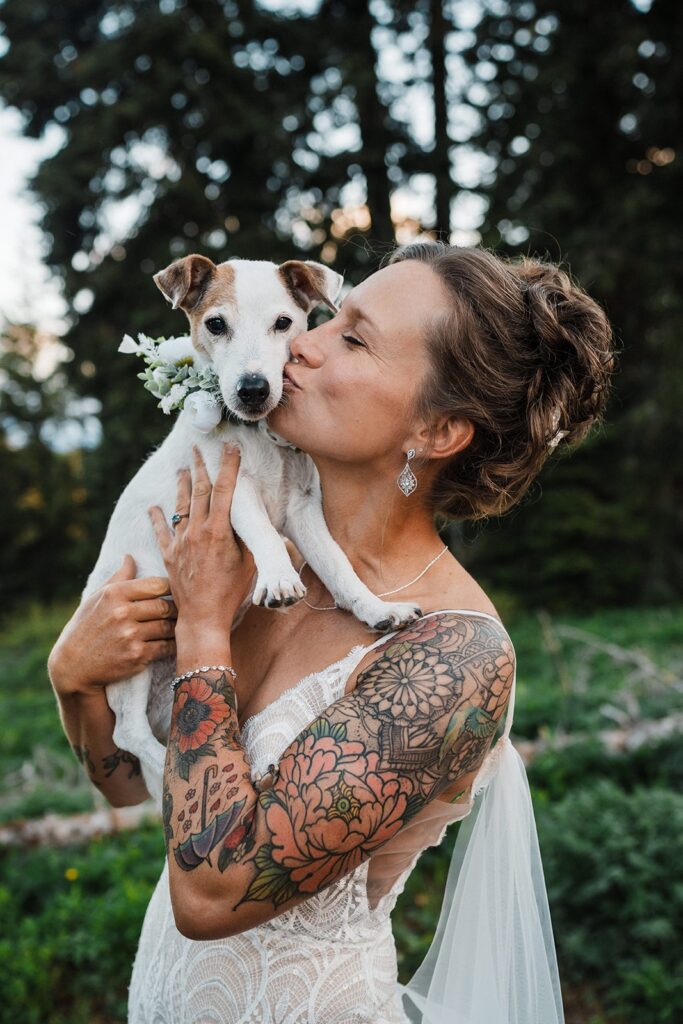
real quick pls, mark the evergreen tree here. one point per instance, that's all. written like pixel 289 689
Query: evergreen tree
pixel 580 114
pixel 45 502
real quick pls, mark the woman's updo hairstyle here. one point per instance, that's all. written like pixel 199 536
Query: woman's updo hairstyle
pixel 525 354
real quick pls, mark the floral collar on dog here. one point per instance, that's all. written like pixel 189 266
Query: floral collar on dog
pixel 172 376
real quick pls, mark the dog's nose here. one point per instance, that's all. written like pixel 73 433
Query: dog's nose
pixel 253 390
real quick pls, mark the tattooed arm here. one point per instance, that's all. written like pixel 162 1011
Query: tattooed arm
pixel 88 722
pixel 415 728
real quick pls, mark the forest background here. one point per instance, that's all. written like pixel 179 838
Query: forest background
pixel 237 128
pixel 329 130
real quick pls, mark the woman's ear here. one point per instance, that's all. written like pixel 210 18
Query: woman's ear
pixel 444 437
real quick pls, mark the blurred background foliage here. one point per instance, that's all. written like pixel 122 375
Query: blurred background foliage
pixel 238 128
pixel 278 130
pixel 609 824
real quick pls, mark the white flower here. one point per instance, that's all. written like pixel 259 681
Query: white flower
pixel 172 358
pixel 147 344
pixel 204 410
pixel 555 419
pixel 175 395
pixel 557 438
pixel 172 350
pixel 559 434
pixel 160 378
pixel 128 345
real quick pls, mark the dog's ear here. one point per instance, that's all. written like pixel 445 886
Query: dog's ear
pixel 183 282
pixel 310 283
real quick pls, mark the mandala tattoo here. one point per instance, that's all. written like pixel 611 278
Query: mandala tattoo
pixel 420 720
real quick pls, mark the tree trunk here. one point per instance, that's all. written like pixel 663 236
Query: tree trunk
pixel 441 159
pixel 372 116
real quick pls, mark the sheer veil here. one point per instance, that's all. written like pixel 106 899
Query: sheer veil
pixel 492 959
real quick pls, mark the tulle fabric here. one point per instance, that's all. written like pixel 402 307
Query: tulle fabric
pixel 492 960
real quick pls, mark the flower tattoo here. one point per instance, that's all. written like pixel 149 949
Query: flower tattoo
pixel 416 727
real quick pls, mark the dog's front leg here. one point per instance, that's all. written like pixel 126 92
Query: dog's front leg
pixel 306 526
pixel 277 581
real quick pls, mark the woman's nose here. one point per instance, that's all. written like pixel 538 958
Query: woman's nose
pixel 306 348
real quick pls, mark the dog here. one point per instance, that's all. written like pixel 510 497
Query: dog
pixel 243 315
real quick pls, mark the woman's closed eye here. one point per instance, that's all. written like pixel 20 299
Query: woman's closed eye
pixel 354 342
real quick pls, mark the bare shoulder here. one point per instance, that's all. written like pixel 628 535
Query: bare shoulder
pixel 454 651
pixel 432 696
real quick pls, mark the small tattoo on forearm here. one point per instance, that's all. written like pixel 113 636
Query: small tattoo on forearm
pixel 111 762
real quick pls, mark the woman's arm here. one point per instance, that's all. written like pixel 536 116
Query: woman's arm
pixel 88 722
pixel 113 634
pixel 418 723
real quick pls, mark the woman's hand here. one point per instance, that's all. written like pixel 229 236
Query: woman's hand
pixel 114 633
pixel 209 568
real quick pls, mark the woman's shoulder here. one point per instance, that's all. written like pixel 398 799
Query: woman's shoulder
pixel 460 593
pixel 456 592
pixel 448 649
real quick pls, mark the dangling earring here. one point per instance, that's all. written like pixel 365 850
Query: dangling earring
pixel 407 480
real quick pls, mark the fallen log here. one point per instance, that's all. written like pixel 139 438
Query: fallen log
pixel 65 830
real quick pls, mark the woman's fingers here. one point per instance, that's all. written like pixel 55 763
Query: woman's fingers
pixel 154 608
pixel 155 649
pixel 155 630
pixel 163 531
pixel 146 587
pixel 201 489
pixel 183 495
pixel 126 570
pixel 224 484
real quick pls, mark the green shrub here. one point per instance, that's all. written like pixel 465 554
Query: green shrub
pixel 555 773
pixel 70 923
pixel 614 872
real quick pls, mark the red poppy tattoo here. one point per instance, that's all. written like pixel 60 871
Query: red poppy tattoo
pixel 199 709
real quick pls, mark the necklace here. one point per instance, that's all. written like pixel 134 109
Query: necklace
pixel 332 607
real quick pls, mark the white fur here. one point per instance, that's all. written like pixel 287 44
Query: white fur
pixel 277 492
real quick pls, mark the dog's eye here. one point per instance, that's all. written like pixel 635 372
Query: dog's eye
pixel 216 325
pixel 283 323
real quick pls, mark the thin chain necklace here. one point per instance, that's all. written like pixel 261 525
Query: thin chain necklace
pixel 332 607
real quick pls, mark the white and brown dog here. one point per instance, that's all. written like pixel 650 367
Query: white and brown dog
pixel 243 315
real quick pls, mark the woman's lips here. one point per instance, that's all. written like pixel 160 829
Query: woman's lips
pixel 288 377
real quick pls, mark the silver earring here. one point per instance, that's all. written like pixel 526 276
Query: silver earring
pixel 407 480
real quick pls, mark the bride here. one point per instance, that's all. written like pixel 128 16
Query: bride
pixel 307 768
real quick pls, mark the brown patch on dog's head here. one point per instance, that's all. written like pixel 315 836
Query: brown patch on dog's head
pixel 184 281
pixel 310 283
pixel 220 288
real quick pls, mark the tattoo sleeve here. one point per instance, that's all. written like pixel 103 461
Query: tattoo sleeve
pixel 417 725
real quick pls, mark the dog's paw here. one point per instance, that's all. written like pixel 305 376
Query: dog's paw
pixel 385 616
pixel 278 590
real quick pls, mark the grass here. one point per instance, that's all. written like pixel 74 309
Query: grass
pixel 71 916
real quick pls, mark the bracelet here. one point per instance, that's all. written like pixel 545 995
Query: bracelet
pixel 205 668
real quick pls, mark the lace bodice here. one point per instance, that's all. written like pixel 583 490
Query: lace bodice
pixel 329 960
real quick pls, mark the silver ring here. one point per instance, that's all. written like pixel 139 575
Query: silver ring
pixel 177 516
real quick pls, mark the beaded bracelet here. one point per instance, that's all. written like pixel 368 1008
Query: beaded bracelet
pixel 205 668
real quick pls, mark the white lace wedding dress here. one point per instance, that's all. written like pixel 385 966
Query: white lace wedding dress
pixel 329 960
